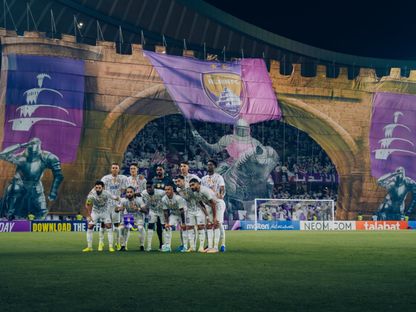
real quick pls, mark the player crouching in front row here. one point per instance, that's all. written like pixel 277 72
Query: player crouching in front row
pixel 207 198
pixel 97 211
pixel 174 210
pixel 134 211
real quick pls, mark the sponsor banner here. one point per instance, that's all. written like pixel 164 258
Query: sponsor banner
pixel 327 225
pixel 59 226
pixel 411 225
pixel 218 91
pixel 270 225
pixel 382 225
pixel 15 226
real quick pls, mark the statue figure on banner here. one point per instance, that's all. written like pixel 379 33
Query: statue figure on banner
pixel 26 188
pixel 398 187
pixel 247 170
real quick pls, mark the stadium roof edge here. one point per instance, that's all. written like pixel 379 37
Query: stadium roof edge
pixel 275 40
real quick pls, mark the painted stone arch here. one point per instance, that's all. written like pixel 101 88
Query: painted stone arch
pixel 129 117
pixel 335 141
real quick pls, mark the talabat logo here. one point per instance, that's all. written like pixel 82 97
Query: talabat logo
pixel 381 225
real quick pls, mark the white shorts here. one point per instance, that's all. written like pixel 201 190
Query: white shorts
pixel 98 217
pixel 195 217
pixel 139 218
pixel 115 217
pixel 175 220
pixel 153 217
pixel 220 211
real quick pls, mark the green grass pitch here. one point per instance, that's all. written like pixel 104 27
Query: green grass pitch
pixel 261 271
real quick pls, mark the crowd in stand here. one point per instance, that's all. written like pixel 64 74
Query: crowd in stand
pixel 304 169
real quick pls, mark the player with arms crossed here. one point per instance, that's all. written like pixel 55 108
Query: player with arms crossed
pixel 134 212
pixel 174 209
pixel 97 206
pixel 152 198
pixel 206 197
pixel 136 180
pixel 195 215
pixel 116 184
pixel 215 182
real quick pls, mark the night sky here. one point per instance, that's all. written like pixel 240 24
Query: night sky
pixel 366 28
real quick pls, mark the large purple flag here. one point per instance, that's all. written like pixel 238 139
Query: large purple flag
pixel 44 99
pixel 218 91
pixel 393 134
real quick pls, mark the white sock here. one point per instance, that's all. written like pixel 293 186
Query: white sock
pixel 222 237
pixel 110 237
pixel 216 237
pixel 149 239
pixel 167 239
pixel 101 235
pixel 126 236
pixel 120 235
pixel 182 238
pixel 191 238
pixel 201 238
pixel 89 238
pixel 115 234
pixel 185 239
pixel 210 236
pixel 142 234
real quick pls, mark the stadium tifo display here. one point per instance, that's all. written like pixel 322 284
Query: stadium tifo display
pixel 67 119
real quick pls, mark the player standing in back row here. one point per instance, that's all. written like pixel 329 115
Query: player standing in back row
pixel 215 182
pixel 116 184
pixel 136 180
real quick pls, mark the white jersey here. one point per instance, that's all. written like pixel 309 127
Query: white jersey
pixel 205 195
pixel 153 202
pixel 131 206
pixel 115 185
pixel 191 202
pixel 136 182
pixel 189 177
pixel 100 202
pixel 214 182
pixel 174 204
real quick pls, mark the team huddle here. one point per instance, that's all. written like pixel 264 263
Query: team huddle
pixel 121 205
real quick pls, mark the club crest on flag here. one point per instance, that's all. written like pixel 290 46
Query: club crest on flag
pixel 225 90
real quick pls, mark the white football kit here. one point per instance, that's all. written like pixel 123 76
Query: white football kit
pixel 174 206
pixel 115 185
pixel 205 195
pixel 214 182
pixel 154 204
pixel 131 206
pixel 194 214
pixel 138 183
pixel 100 211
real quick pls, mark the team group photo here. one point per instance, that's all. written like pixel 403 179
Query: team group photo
pixel 207 155
pixel 121 205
